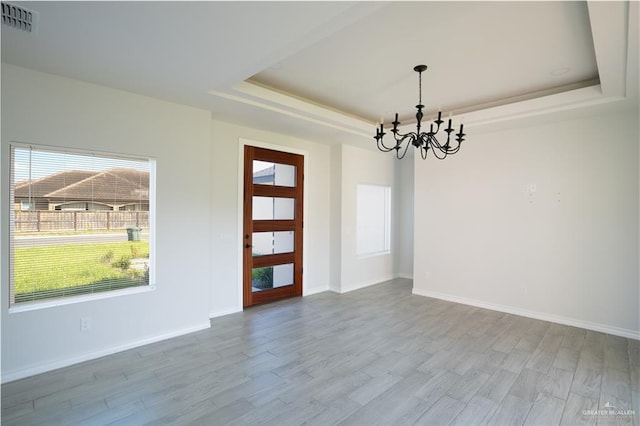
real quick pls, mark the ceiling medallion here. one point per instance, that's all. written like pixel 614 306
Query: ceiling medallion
pixel 424 141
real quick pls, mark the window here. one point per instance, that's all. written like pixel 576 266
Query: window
pixel 373 220
pixel 80 223
pixel 26 205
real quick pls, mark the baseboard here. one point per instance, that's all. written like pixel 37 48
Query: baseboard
pixel 616 331
pixel 368 283
pixel 43 368
pixel 224 312
pixel 403 275
pixel 315 290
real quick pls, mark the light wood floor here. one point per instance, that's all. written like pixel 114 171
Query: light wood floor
pixel 374 356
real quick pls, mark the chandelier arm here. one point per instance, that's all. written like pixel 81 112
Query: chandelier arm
pixel 404 152
pixel 408 141
pixel 431 138
pixel 442 154
pixel 435 145
pixel 446 148
pixel 409 138
pixel 424 150
pixel 438 150
pixel 400 136
pixel 380 141
pixel 454 149
pixel 382 147
pixel 400 153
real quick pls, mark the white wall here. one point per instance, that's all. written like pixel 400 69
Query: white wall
pixel 335 282
pixel 226 235
pixel 44 109
pixel 368 167
pixel 567 252
pixel 404 221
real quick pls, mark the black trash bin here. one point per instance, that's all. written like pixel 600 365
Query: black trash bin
pixel 133 234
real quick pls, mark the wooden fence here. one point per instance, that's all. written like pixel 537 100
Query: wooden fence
pixel 60 220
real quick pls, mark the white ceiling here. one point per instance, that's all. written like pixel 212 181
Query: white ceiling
pixel 476 53
pixel 327 70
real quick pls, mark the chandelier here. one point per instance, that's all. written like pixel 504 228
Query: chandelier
pixel 419 139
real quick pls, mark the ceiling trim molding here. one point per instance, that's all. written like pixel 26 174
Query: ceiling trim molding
pixel 609 30
pixel 579 98
pixel 304 106
pixel 299 114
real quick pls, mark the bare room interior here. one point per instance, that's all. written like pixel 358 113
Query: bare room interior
pixel 319 213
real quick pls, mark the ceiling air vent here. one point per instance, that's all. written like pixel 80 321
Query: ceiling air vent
pixel 19 18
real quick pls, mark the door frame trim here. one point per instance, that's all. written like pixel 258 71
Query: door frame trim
pixel 240 216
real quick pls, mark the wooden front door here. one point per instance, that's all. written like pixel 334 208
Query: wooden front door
pixel 272 237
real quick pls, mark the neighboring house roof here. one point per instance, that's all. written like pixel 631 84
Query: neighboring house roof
pixel 40 187
pixel 110 185
pixel 264 175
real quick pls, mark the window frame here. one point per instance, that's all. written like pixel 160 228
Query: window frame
pixel 14 307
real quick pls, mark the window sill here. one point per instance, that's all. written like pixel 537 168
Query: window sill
pixel 52 303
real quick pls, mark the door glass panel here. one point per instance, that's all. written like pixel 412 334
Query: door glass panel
pixel 273 208
pixel 272 242
pixel 271 277
pixel 266 173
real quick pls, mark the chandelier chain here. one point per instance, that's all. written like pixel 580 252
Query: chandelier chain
pixel 420 88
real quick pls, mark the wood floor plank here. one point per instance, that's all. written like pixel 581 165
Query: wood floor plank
pixel 574 339
pixel 334 414
pixel 512 411
pixel 546 410
pixel 498 385
pixel 477 412
pixel 436 386
pixel 578 411
pixel 587 382
pixel 392 404
pixel 468 385
pixel 616 354
pixel 516 360
pixel 616 393
pixel 566 359
pixel 541 361
pixel 222 415
pixel 557 383
pixel 528 384
pixel 442 412
pixel 372 388
pixel 490 361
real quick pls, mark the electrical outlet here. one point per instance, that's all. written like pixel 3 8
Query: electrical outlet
pixel 523 290
pixel 85 324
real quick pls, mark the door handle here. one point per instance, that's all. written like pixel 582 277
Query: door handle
pixel 248 246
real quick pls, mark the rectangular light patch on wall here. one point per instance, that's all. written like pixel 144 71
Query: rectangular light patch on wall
pixel 373 226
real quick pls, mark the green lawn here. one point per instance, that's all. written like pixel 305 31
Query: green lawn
pixel 76 268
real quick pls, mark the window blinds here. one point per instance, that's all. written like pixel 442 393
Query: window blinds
pixel 79 223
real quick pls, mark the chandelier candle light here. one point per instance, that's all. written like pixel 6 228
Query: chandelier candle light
pixel 422 140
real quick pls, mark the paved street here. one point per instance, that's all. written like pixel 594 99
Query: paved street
pixel 45 240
